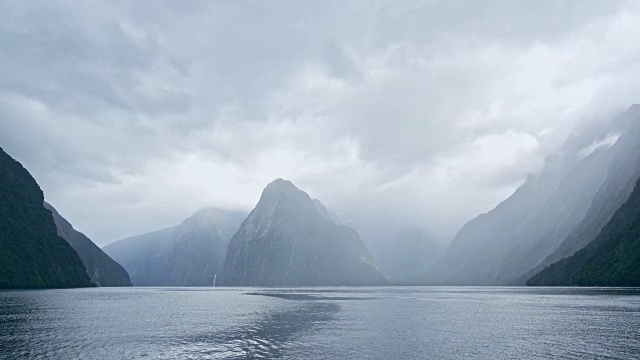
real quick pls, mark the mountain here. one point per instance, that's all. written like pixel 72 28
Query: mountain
pixel 32 255
pixel 612 259
pixel 621 175
pixel 410 254
pixel 505 245
pixel 102 270
pixel 289 240
pixel 190 254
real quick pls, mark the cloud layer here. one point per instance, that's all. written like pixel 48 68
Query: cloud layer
pixel 133 114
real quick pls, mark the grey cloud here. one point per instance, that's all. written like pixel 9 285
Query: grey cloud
pixel 154 108
pixel 79 64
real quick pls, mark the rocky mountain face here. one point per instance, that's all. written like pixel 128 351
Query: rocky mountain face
pixel 611 259
pixel 504 246
pixel 32 255
pixel 102 270
pixel 291 240
pixel 621 174
pixel 190 254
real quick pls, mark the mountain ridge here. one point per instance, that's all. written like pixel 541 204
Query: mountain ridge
pixel 102 269
pixel 189 254
pixel 611 259
pixel 288 240
pixel 32 255
pixel 503 246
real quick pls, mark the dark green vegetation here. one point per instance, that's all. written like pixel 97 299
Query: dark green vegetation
pixel 102 269
pixel 32 255
pixel 612 259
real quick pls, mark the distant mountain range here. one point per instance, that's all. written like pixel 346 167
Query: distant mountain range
pixel 402 248
pixel 32 255
pixel 190 254
pixel 577 222
pixel 291 240
pixel 553 214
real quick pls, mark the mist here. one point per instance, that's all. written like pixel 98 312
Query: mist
pixel 133 118
pixel 364 179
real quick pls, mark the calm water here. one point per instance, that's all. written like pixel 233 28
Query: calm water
pixel 343 323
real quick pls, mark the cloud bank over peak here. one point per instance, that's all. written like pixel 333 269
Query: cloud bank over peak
pixel 133 114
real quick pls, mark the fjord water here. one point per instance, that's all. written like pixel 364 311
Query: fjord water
pixel 320 323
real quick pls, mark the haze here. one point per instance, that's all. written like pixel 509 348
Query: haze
pixel 133 115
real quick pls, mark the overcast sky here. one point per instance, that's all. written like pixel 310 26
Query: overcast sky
pixel 133 114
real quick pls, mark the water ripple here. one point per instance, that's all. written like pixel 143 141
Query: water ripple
pixel 326 323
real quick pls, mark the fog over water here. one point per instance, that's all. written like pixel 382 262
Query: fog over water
pixel 133 115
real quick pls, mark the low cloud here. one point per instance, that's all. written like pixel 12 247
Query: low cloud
pixel 132 115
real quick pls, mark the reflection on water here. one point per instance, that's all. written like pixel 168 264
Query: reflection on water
pixel 325 323
pixel 288 295
pixel 268 337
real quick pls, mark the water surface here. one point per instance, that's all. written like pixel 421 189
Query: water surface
pixel 321 323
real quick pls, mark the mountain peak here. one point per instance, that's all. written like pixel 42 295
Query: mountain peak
pixel 290 240
pixel 283 197
pixel 631 114
pixel 634 109
pixel 282 191
pixel 281 185
pixel 212 218
pixel 208 213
